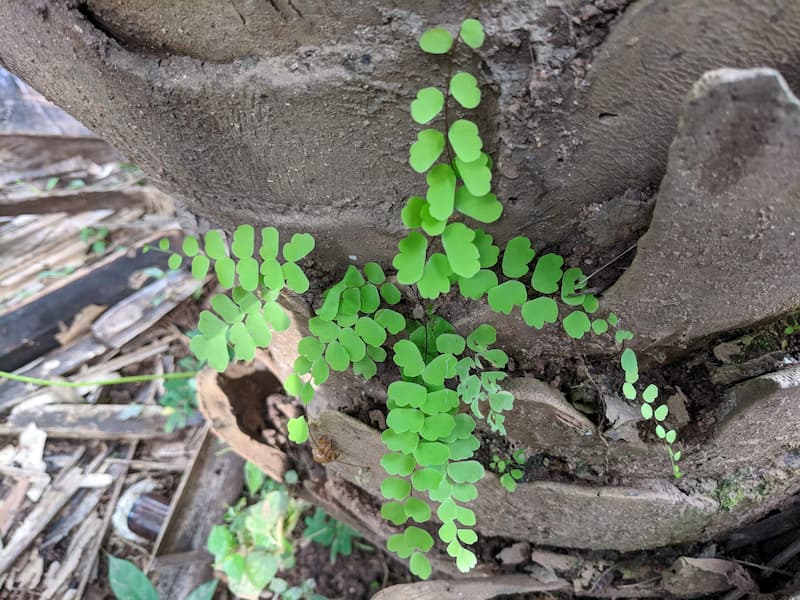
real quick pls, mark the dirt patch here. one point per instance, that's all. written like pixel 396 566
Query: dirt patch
pixel 248 397
pixel 354 577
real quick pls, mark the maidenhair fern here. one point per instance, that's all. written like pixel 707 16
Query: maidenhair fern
pixel 446 380
pixel 245 318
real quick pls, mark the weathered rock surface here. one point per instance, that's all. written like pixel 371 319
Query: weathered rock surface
pixel 646 513
pixel 542 421
pixel 760 424
pixel 724 242
pixel 650 515
pixel 230 104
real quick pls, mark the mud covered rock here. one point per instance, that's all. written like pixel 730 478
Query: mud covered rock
pixel 698 577
pixel 543 422
pixel 649 515
pixel 295 114
pixel 759 424
pixel 722 248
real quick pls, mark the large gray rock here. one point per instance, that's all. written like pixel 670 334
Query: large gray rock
pixel 651 514
pixel 295 113
pixel 723 246
pixel 760 425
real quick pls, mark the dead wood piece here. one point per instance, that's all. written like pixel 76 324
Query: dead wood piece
pixel 81 324
pixel 87 421
pixel 83 538
pixel 75 167
pixel 28 274
pixel 28 331
pixel 77 513
pixel 30 156
pixel 765 529
pixel 152 465
pixel 645 589
pixel 28 573
pixel 57 362
pixel 733 373
pixel 96 480
pixel 81 201
pixel 212 482
pixel 11 504
pixel 19 228
pixel 119 472
pixel 21 260
pixel 139 311
pixel 474 588
pixel 180 559
pixel 129 358
pixel 785 555
pixel 51 502
pixel 30 458
pixel 72 459
pixel 39 237
pixel 29 474
pixel 48 395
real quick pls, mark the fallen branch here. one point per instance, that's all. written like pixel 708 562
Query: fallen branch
pixel 88 421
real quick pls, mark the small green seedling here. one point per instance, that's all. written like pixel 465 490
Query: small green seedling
pixel 510 471
pixel 327 531
pixel 180 396
pixel 255 543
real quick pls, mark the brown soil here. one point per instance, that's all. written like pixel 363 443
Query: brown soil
pixel 353 577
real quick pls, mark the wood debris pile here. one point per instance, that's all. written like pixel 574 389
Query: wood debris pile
pixel 80 301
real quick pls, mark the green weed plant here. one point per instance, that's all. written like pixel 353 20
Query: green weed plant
pixel 447 379
pixel 255 541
